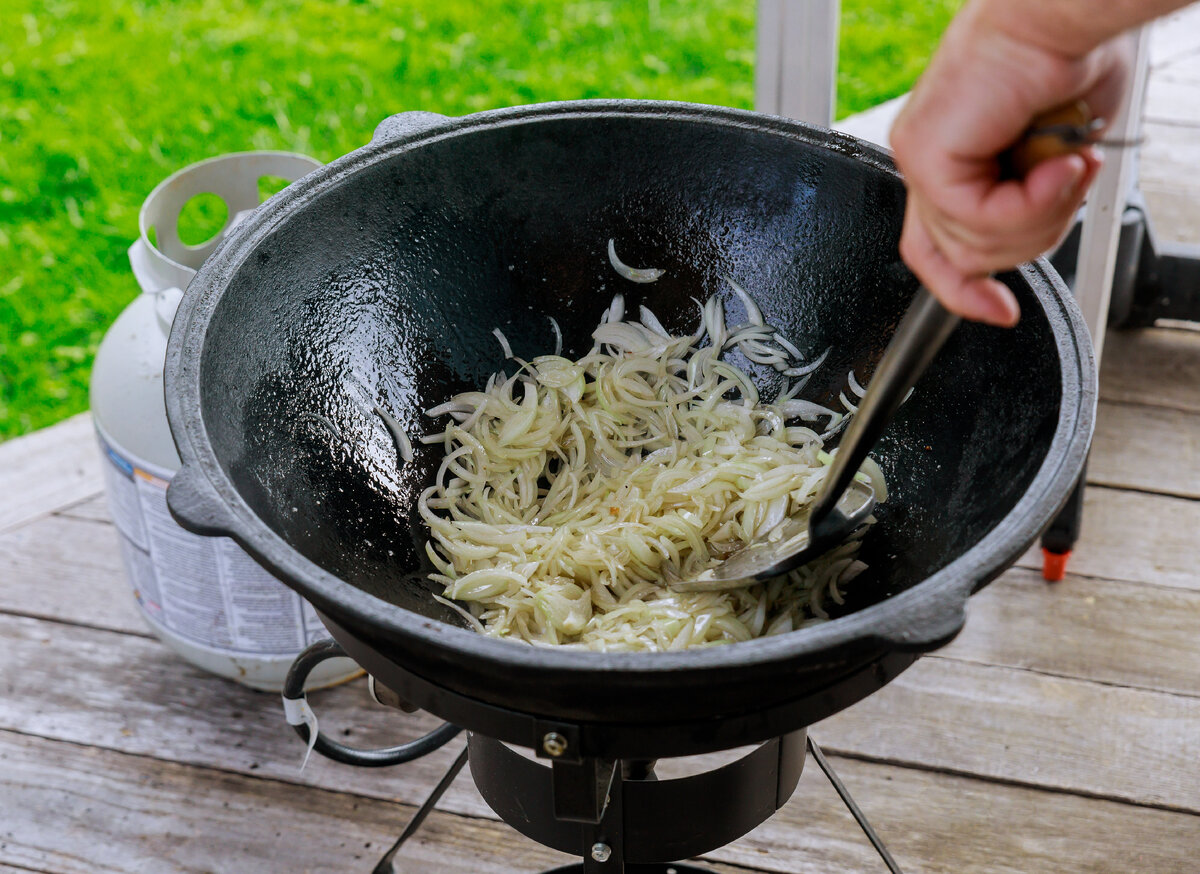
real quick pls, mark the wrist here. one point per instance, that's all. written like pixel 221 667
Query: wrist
pixel 1003 74
pixel 1069 28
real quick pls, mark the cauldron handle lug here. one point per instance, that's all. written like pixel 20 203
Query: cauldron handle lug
pixel 924 627
pixel 403 124
pixel 193 501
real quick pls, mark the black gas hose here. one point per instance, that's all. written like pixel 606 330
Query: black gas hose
pixel 295 701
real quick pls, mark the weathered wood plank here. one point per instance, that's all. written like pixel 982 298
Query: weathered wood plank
pixel 1061 623
pixel 1173 213
pixel 70 570
pixel 1172 100
pixel 165 816
pixel 1031 729
pixel 128 694
pixel 1153 367
pixel 1183 68
pixel 85 810
pixel 48 469
pixel 1134 537
pixel 1174 37
pixel 1165 153
pixel 1069 629
pixel 94 508
pixel 941 823
pixel 1154 449
pixel 1168 159
pixel 1149 448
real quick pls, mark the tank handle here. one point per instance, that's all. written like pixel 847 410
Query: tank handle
pixel 168 262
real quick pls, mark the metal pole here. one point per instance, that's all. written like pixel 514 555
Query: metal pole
pixel 1106 204
pixel 796 64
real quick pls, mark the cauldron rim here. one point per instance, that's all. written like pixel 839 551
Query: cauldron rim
pixel 922 617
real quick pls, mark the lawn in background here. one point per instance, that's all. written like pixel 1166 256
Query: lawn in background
pixel 99 101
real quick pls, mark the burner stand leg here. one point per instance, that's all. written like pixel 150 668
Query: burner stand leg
pixel 385 864
pixel 855 811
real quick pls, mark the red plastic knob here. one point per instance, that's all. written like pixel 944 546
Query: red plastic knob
pixel 1054 565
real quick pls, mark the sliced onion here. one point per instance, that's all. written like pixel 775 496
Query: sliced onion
pixel 403 444
pixel 327 424
pixel 484 584
pixel 875 477
pixel 508 353
pixel 616 310
pixel 633 274
pixel 753 313
pixel 806 369
pixel 651 321
pixel 788 347
pixel 806 410
pixel 854 384
pixel 563 510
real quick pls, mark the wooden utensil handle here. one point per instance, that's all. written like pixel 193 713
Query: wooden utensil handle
pixel 1033 148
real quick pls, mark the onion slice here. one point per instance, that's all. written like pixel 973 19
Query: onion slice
pixel 571 494
pixel 633 274
pixel 403 444
pixel 508 353
pixel 855 385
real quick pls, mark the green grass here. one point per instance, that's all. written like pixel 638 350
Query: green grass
pixel 99 101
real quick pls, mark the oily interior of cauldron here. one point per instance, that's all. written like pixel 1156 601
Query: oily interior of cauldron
pixel 385 289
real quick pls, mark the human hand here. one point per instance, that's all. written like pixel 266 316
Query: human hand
pixel 984 87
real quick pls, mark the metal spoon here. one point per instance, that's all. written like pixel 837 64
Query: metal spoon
pixel 843 503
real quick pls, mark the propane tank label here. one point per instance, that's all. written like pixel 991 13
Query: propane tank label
pixel 205 589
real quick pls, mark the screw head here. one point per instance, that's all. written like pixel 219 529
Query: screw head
pixel 601 851
pixel 554 744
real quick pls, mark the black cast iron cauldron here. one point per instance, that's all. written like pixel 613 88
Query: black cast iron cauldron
pixel 378 279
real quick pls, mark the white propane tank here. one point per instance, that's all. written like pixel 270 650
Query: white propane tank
pixel 202 596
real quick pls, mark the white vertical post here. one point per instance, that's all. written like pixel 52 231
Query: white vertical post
pixel 796 66
pixel 1106 203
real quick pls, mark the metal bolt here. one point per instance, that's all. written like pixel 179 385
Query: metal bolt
pixel 554 744
pixel 601 851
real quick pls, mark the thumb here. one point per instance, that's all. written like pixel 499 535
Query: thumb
pixel 1055 184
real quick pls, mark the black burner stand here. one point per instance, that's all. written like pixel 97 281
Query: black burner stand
pixel 623 820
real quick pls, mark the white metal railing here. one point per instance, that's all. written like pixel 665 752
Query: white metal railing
pixel 796 67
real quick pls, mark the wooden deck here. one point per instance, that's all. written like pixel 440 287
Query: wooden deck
pixel 1059 733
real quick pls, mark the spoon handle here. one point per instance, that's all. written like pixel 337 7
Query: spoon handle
pixel 922 332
